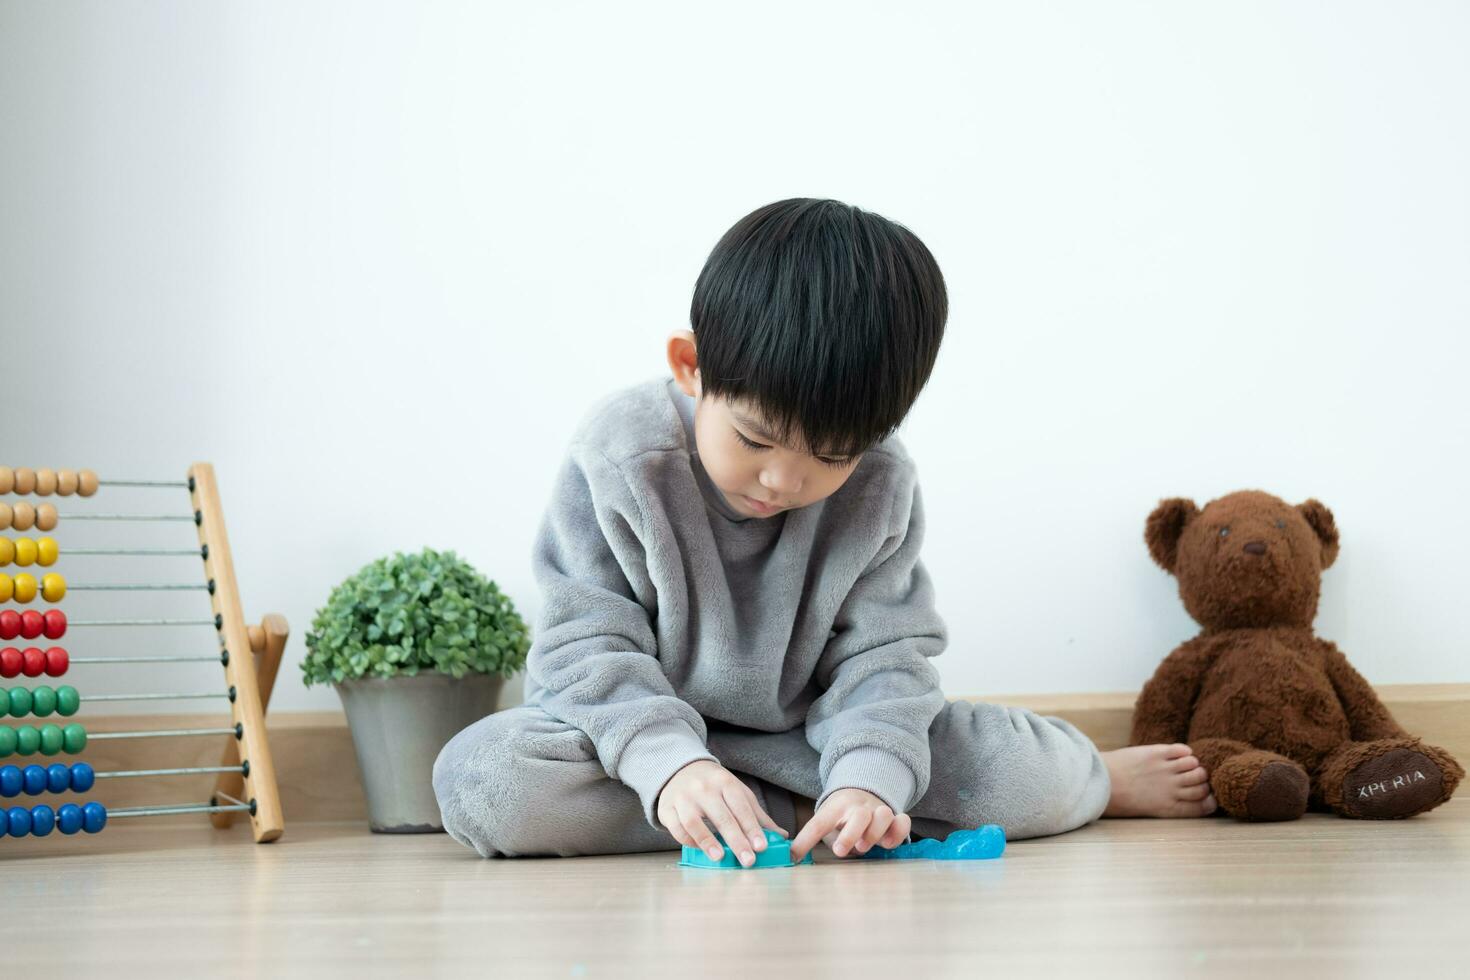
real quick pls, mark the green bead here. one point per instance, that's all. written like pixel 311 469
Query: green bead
pixel 7 741
pixel 43 701
pixel 50 739
pixel 27 740
pixel 67 700
pixel 20 702
pixel 73 738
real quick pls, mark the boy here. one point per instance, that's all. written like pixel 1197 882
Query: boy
pixel 737 626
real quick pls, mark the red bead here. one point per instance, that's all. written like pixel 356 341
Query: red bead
pixel 33 661
pixel 54 625
pixel 31 623
pixel 9 662
pixel 56 661
pixel 9 624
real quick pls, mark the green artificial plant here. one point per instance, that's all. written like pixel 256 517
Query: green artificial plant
pixel 410 612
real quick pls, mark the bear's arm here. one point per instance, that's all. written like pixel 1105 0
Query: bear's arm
pixel 1367 717
pixel 1166 703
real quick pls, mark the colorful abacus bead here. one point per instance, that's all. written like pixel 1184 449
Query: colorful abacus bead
pixel 66 482
pixel 53 624
pixel 12 781
pixel 18 821
pixel 53 587
pixel 31 624
pixel 58 777
pixel 25 480
pixel 18 702
pixel 56 661
pixel 23 587
pixel 7 551
pixel 45 518
pixel 45 482
pixel 67 701
pixel 33 661
pixel 82 777
pixel 40 820
pixel 33 778
pixel 68 818
pixel 47 551
pixel 25 551
pixel 73 739
pixel 43 820
pixel 22 517
pixel 9 624
pixel 10 662
pixel 7 479
pixel 7 592
pixel 43 700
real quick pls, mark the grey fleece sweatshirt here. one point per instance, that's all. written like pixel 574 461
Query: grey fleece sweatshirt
pixel 664 607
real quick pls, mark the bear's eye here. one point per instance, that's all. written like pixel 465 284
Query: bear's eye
pixel 1280 523
pixel 1224 532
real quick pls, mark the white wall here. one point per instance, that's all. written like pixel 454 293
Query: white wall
pixel 374 260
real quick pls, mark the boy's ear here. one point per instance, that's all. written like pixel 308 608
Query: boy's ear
pixel 1320 518
pixel 1165 525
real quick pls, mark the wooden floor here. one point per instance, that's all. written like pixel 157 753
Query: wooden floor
pixel 1127 897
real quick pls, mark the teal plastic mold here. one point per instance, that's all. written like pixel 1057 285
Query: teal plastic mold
pixel 981 843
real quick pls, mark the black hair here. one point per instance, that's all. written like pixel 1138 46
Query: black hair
pixel 825 318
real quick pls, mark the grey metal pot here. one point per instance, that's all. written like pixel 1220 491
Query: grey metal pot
pixel 399 724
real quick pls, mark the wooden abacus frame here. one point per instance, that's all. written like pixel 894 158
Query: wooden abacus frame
pixel 251 786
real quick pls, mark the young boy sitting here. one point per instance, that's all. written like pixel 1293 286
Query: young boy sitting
pixel 737 628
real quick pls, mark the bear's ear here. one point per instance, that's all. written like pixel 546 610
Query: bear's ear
pixel 1164 527
pixel 1320 518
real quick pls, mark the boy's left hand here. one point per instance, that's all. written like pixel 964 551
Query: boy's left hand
pixel 863 818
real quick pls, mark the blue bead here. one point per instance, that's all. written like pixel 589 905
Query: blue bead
pixel 43 818
pixel 69 818
pixel 35 779
pixel 58 777
pixel 10 781
pixel 82 777
pixel 18 821
pixel 94 817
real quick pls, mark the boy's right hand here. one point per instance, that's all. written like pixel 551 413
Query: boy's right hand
pixel 707 790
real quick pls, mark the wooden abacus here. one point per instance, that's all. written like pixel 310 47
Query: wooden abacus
pixel 245 780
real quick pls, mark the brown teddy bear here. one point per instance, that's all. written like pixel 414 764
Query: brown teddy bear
pixel 1278 718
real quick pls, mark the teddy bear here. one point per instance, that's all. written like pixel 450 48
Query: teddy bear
pixel 1277 716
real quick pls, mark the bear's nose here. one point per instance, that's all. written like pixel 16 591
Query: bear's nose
pixel 1255 547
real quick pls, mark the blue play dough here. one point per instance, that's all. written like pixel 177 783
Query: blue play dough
pixel 988 841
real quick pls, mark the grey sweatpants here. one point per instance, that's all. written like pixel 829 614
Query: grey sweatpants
pixel 520 782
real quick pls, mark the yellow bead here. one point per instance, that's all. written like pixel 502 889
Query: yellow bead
pixel 25 480
pixel 7 588
pixel 25 551
pixel 45 482
pixel 7 551
pixel 45 518
pixel 6 516
pixel 86 483
pixel 47 552
pixel 7 479
pixel 66 482
pixel 25 587
pixel 53 587
pixel 23 517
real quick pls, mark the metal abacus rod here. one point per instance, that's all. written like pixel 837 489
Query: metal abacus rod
pixel 245 695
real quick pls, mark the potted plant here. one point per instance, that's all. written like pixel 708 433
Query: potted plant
pixel 418 647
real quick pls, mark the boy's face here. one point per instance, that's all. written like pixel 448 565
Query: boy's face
pixel 748 466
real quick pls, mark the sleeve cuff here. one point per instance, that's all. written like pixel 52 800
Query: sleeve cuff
pixel 652 757
pixel 876 770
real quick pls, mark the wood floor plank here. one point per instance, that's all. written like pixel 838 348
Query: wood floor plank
pixel 1129 898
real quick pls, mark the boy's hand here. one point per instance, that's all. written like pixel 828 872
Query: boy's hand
pixel 864 820
pixel 707 790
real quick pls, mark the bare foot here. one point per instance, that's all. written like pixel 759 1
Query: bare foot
pixel 1157 781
